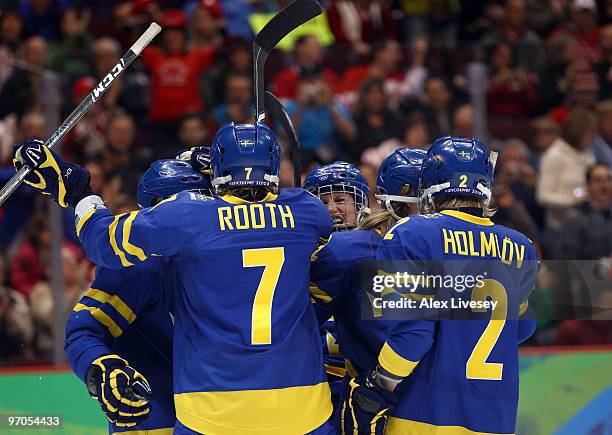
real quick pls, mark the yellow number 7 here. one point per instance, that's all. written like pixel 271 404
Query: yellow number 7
pixel 272 260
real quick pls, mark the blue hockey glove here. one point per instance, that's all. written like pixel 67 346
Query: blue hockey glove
pixel 198 157
pixel 366 406
pixel 65 182
pixel 123 393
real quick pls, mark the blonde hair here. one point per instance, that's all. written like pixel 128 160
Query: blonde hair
pixel 382 220
pixel 454 202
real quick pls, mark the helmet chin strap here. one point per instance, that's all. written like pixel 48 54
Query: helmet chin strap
pixel 386 200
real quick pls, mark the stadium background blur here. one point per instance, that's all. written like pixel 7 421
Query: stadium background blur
pixel 533 78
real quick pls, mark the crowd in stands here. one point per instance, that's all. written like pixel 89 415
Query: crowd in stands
pixel 365 78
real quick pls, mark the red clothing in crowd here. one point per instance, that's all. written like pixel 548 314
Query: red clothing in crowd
pixel 513 100
pixel 26 269
pixel 175 81
pixel 286 82
pixel 584 332
pixel 356 75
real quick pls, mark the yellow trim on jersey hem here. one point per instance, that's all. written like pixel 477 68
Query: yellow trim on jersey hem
pixel 394 363
pixel 231 199
pixel 84 219
pixel 399 426
pixel 162 431
pixel 115 301
pixel 283 411
pixel 468 217
pixel 101 317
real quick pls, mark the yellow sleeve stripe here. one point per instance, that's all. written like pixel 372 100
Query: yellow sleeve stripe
pixel 114 301
pixel 394 363
pixel 84 219
pixel 127 246
pixel 319 294
pixel 101 317
pixel 523 308
pixel 112 228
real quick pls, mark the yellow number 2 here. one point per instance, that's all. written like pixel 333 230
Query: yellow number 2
pixel 463 182
pixel 272 260
pixel 477 366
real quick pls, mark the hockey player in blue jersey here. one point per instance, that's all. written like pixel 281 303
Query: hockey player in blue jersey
pixel 247 352
pixel 122 327
pixel 335 271
pixel 344 191
pixel 453 376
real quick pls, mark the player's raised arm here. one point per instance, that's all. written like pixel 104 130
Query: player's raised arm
pixel 109 241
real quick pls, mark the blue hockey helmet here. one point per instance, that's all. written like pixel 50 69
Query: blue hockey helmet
pixel 459 167
pixel 402 168
pixel 340 177
pixel 167 177
pixel 245 155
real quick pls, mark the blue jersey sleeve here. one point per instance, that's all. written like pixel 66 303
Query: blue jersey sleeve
pixel 114 242
pixel 526 324
pixel 107 309
pixel 409 340
pixel 328 279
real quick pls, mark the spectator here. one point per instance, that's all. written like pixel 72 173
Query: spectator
pixel 129 90
pixel 514 32
pixel 603 68
pixel 563 167
pixel 584 333
pixel 512 92
pixel 602 143
pixel 545 132
pixel 121 157
pixel 192 131
pixel 375 120
pixel 385 62
pixel 416 134
pixel 205 26
pixel 32 124
pixel 70 55
pixel 583 28
pixel 235 57
pixel 238 106
pixel 463 121
pixel 41 300
pixel 11 29
pixel 42 17
pixel 322 124
pixel 22 92
pixel 587 229
pixel 308 60
pixel 514 192
pixel 359 23
pixel 436 106
pixel 16 327
pixel 28 265
pixel 175 73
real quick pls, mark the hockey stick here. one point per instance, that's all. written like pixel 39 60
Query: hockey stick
pixel 287 19
pixel 279 113
pixel 85 105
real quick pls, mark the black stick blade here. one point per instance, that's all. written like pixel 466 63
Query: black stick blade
pixel 279 113
pixel 287 19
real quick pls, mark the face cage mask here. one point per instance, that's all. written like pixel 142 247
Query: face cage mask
pixel 386 200
pixel 360 204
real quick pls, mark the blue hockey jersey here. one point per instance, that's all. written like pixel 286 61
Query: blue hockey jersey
pixel 247 350
pixel 336 288
pixel 128 312
pixel 461 375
